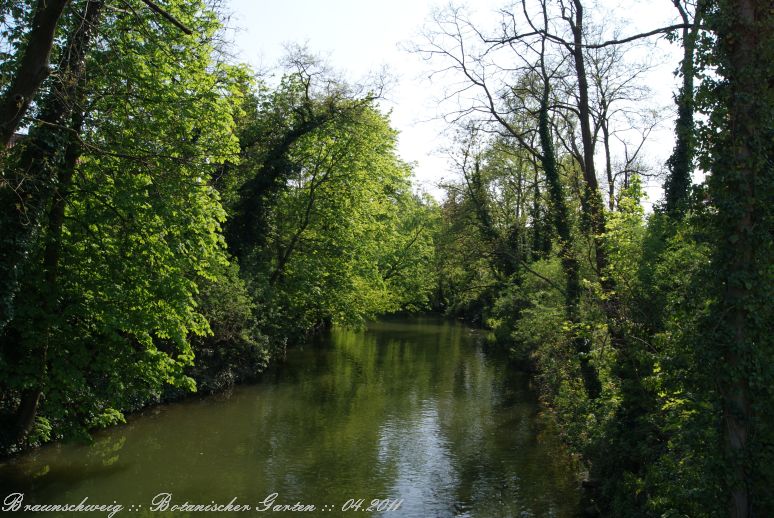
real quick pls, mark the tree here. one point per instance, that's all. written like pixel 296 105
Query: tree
pixel 680 164
pixel 741 188
pixel 307 99
pixel 346 238
pixel 133 230
pixel 26 190
pixel 41 161
pixel 323 221
pixel 32 68
pixel 545 77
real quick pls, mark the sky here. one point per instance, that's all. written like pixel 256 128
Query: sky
pixel 358 37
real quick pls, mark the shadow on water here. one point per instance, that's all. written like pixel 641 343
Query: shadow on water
pixel 413 409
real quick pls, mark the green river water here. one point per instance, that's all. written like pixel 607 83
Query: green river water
pixel 413 413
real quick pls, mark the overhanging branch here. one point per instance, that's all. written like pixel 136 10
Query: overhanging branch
pixel 164 14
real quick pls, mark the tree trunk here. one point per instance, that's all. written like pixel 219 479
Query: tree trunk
pixel 629 367
pixel 63 103
pixel 608 167
pixel 680 164
pixel 740 186
pixel 33 67
pixel 16 225
pixel 562 222
pixel 25 415
pixel 590 197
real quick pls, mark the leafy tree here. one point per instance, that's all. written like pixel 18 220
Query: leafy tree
pixel 134 231
pixel 33 51
pixel 26 187
pixel 236 350
pixel 348 239
pixel 680 296
pixel 681 163
pixel 306 100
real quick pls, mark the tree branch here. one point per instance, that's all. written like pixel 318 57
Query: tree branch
pixel 164 14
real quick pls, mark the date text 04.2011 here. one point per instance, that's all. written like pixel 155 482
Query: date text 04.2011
pixel 376 505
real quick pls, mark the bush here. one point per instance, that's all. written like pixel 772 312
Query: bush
pixel 236 350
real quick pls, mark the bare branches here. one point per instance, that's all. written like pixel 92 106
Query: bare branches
pixel 481 92
pixel 640 36
pixel 569 45
pixel 596 95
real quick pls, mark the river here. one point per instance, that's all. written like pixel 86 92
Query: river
pixel 413 413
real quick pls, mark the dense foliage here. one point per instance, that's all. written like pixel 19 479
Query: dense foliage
pixel 650 335
pixel 171 221
pixel 326 223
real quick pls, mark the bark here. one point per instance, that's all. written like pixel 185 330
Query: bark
pixel 33 67
pixel 63 105
pixel 740 179
pixel 608 166
pixel 629 367
pixel 17 224
pixel 165 14
pixel 591 199
pixel 541 241
pixel 51 255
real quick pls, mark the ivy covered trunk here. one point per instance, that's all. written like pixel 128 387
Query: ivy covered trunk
pixel 55 169
pixel 741 188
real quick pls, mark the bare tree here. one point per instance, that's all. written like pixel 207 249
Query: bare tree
pixel 620 112
pixel 508 87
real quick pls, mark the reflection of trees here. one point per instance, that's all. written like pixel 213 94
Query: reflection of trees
pixel 64 468
pixel 414 411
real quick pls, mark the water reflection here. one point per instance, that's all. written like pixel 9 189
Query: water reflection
pixel 410 409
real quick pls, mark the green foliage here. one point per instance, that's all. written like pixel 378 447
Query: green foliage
pixel 129 294
pixel 738 102
pixel 466 278
pixel 209 219
pixel 109 417
pixel 236 350
pixel 650 439
pixel 351 239
pixel 325 223
pixel 492 221
pixel 141 230
pixel 682 477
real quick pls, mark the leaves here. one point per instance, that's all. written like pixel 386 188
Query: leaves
pixel 346 239
pixel 142 227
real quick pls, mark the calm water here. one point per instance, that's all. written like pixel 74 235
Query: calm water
pixel 408 409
